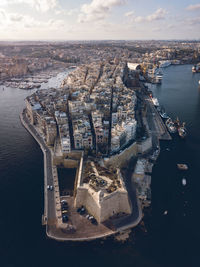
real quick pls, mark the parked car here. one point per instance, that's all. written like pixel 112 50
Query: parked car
pixel 65 218
pixel 94 221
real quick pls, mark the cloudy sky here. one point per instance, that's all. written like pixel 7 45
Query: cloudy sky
pixel 99 19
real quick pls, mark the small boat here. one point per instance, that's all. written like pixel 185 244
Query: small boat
pixel 182 167
pixel 164 115
pixel 182 131
pixel 194 69
pixel 165 212
pixel 184 182
pixel 155 101
pixel 170 125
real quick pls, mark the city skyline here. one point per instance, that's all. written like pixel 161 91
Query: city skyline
pixel 98 19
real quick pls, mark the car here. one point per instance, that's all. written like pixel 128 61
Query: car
pixel 78 210
pixel 64 202
pixel 87 216
pixel 90 218
pixel 94 221
pixel 51 187
pixel 83 210
pixel 64 211
pixel 48 187
pixel 64 208
pixel 64 205
pixel 65 218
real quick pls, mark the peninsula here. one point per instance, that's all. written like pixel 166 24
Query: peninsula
pixel 103 124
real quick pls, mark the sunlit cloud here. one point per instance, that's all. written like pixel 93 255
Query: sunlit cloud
pixel 39 5
pixel 98 9
pixel 193 7
pixel 159 14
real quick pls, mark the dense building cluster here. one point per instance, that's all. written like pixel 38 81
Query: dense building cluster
pixel 92 110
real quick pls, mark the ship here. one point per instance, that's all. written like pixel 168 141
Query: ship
pixel 155 101
pixel 184 181
pixel 164 115
pixel 157 79
pixel 196 68
pixel 182 166
pixel 170 125
pixel 180 128
pixel 182 131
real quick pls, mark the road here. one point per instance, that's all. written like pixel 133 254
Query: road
pixel 49 196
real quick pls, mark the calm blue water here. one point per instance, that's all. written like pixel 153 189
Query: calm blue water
pixel 171 240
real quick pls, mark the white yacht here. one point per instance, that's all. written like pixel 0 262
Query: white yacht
pixel 155 101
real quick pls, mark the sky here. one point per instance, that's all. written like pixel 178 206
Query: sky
pixel 99 19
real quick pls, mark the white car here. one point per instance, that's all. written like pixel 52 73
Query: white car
pixel 48 187
pixel 51 187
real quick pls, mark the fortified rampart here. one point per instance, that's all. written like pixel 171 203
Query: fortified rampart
pixel 120 160
pixel 69 161
pixel 100 204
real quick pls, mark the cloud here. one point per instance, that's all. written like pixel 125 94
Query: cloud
pixel 193 7
pixel 129 14
pixel 159 14
pixel 16 17
pixel 193 21
pixel 98 9
pixel 40 5
pixel 70 12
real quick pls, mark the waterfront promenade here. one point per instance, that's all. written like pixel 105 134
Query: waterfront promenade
pixel 87 231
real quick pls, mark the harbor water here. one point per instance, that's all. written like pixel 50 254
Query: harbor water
pixel 172 238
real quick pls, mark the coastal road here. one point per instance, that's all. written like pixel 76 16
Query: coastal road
pixel 49 196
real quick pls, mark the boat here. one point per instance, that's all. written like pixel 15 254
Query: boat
pixel 158 79
pixel 182 167
pixel 165 212
pixel 170 125
pixel 180 128
pixel 184 182
pixel 155 101
pixel 196 68
pixel 182 131
pixel 164 115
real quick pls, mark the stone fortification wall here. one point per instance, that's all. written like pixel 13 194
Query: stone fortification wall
pixel 102 207
pixel 120 160
pixel 70 161
pixel 113 204
pixel 89 200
